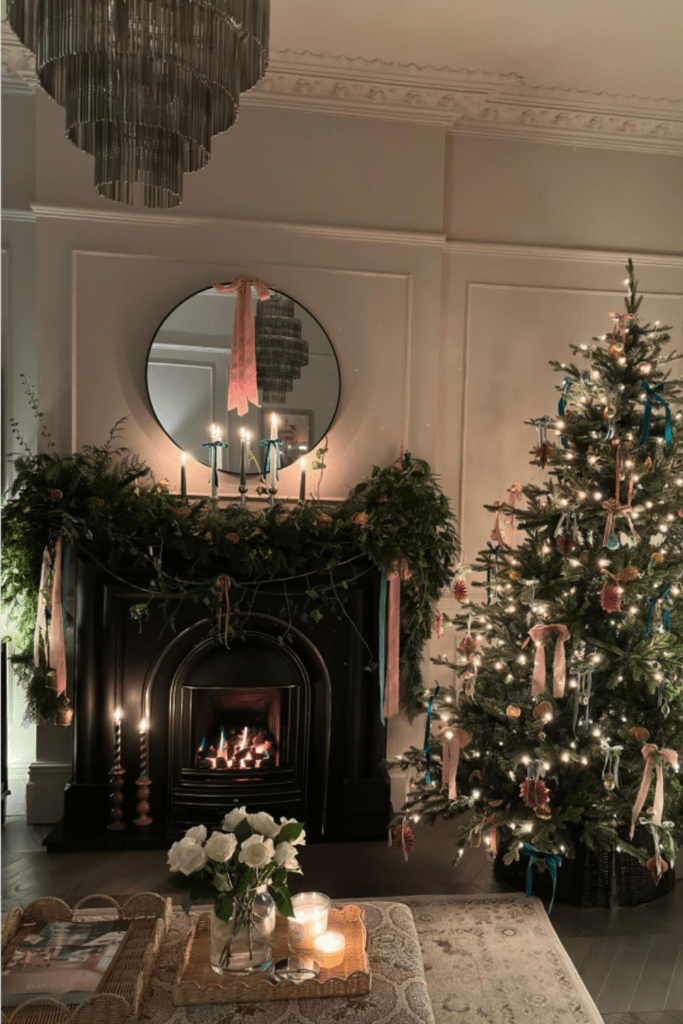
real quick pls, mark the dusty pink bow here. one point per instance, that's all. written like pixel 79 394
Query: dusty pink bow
pixel 50 598
pixel 620 320
pixel 450 755
pixel 398 570
pixel 654 759
pixel 243 385
pixel 538 634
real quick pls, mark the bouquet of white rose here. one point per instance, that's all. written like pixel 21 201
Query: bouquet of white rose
pixel 235 868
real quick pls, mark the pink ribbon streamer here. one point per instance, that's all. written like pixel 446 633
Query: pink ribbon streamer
pixel 50 597
pixel 538 634
pixel 41 617
pixel 391 689
pixel 654 760
pixel 450 756
pixel 243 385
pixel 620 320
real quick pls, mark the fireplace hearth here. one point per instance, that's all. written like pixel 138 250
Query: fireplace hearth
pixel 286 719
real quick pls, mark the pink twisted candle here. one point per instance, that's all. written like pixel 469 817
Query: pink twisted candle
pixel 243 385
pixel 538 634
pixel 450 756
pixel 655 759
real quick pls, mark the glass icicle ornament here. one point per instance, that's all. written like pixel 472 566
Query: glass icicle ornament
pixel 146 83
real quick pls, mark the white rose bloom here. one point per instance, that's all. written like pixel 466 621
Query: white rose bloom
pixel 198 833
pixel 186 856
pixel 220 846
pixel 256 851
pixel 232 820
pixel 264 823
pixel 285 856
pixel 301 841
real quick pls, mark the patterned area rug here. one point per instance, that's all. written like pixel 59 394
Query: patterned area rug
pixel 496 960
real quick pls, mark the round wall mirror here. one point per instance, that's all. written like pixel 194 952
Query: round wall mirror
pixel 188 368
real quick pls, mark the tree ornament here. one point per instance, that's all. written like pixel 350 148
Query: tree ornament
pixel 475 776
pixel 514 576
pixel 640 733
pixel 644 368
pixel 565 543
pixel 680 513
pixel 542 736
pixel 649 464
pixel 183 512
pixel 543 709
pixel 324 519
pixel 615 349
pixel 650 811
pixel 627 574
pixel 656 866
pixel 468 646
pixel 610 598
pixel 512 711
pixel 585 557
pixel 609 412
pixel 460 590
pixel 608 781
pixel 542 453
pixel 404 840
pixel 496 803
pixel 544 813
pixel 534 793
pixel 55 494
pixel 359 518
pixel 658 558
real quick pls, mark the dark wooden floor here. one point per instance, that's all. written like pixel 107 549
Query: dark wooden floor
pixel 631 960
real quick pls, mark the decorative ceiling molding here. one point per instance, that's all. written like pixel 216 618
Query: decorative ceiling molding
pixel 462 102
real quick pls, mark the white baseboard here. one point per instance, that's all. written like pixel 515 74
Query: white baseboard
pixel 45 792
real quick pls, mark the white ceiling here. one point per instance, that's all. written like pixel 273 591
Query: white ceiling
pixel 615 46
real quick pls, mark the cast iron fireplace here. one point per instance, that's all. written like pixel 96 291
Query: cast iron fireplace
pixel 286 719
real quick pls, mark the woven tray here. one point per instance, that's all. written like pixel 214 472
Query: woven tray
pixel 121 998
pixel 198 983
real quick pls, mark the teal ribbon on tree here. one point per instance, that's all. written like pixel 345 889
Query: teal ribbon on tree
pixel 382 642
pixel 426 749
pixel 654 395
pixel 552 862
pixel 562 405
pixel 661 595
pixel 270 443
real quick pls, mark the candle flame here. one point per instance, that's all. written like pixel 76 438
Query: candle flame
pixel 183 458
pixel 118 715
pixel 273 420
pixel 243 433
pixel 144 725
pixel 302 462
pixel 248 437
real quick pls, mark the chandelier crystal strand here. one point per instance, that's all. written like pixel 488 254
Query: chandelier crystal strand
pixel 281 352
pixel 145 83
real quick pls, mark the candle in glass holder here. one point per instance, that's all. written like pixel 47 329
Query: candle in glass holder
pixel 329 949
pixel 311 916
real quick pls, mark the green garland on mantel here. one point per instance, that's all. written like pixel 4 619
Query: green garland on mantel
pixel 104 500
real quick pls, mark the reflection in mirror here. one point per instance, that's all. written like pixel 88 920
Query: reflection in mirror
pixel 188 366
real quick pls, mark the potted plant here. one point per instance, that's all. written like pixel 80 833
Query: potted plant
pixel 238 868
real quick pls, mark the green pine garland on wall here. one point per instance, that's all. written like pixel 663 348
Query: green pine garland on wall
pixel 104 500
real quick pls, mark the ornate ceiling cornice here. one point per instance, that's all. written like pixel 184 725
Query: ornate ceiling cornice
pixel 461 101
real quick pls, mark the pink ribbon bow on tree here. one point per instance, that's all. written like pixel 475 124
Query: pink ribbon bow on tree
pixel 242 384
pixel 620 320
pixel 450 756
pixel 538 634
pixel 655 759
pixel 506 539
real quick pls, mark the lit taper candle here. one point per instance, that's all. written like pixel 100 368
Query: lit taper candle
pixel 273 454
pixel 118 715
pixel 144 726
pixel 183 476
pixel 302 481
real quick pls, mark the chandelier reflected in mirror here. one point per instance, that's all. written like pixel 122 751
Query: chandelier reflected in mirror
pixel 145 83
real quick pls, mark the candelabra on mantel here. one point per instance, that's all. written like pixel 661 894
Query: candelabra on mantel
pixel 116 773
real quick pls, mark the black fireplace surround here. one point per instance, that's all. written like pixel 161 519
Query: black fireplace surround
pixel 286 719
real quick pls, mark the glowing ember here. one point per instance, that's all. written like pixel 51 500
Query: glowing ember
pixel 237 750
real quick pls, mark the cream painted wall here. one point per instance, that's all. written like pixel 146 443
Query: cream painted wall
pixel 416 252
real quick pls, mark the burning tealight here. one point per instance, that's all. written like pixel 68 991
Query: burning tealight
pixel 311 915
pixel 329 949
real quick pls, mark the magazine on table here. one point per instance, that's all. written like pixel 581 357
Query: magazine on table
pixel 68 960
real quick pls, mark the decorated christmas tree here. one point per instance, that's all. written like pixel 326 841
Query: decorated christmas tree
pixel 561 726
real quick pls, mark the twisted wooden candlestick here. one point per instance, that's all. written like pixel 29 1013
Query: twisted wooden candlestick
pixel 142 808
pixel 116 799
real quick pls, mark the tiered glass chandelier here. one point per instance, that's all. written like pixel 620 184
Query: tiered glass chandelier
pixel 145 83
pixel 280 350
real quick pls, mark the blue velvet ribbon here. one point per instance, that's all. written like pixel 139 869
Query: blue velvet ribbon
pixel 382 642
pixel 269 444
pixel 428 728
pixel 654 395
pixel 562 405
pixel 661 594
pixel 552 862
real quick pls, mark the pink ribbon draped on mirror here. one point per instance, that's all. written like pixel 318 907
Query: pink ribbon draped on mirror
pixel 242 383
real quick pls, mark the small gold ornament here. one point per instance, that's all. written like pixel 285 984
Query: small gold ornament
pixel 359 518
pixel 514 575
pixel 640 733
pixel 56 494
pixel 475 776
pixel 543 709
pixel 627 574
pixel 496 803
pixel 615 349
pixel 608 781
pixel 609 412
pixel 649 464
pixel 644 368
pixel 650 811
pixel 658 558
pixel 585 557
pixel 542 736
pixel 512 711
pixel 544 813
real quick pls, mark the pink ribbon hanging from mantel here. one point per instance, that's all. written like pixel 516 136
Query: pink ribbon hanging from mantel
pixel 397 571
pixel 243 384
pixel 538 634
pixel 450 756
pixel 50 597
pixel 655 758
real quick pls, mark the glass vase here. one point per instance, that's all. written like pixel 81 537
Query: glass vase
pixel 242 945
